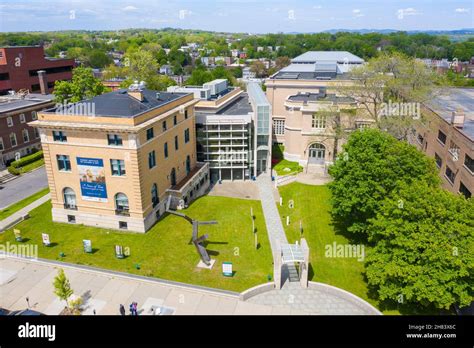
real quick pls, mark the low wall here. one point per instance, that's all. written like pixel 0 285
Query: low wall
pixel 256 290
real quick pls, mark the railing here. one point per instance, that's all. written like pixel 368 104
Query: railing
pixel 122 212
pixel 70 206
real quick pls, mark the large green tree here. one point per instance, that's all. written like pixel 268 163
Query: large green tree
pixel 371 166
pixel 424 242
pixel 83 86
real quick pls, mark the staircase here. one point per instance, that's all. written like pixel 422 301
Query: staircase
pixel 6 176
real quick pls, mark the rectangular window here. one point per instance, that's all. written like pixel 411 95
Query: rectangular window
pixel 175 120
pixel 279 127
pixel 1 144
pixel 123 225
pixel 165 127
pixel 10 122
pixel 319 121
pixel 186 114
pixel 37 135
pixel 149 133
pixel 463 189
pixel 34 115
pixel 166 150
pixel 454 150
pixel 176 143
pixel 151 159
pixel 118 167
pixel 439 161
pixel 442 137
pixel 13 139
pixel 420 138
pixel 450 175
pixel 71 219
pixel 469 163
pixel 114 139
pixel 186 135
pixel 59 136
pixel 26 136
pixel 22 118
pixel 64 164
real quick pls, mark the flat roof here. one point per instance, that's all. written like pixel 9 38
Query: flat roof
pixel 334 56
pixel 12 103
pixel 306 97
pixel 239 106
pixel 120 104
pixel 455 99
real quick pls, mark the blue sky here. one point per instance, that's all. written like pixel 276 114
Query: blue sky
pixel 254 16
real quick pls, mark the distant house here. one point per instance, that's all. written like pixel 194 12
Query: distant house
pixel 166 70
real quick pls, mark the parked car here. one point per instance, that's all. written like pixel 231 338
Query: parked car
pixel 26 312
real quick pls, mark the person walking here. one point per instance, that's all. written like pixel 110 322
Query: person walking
pixel 131 308
pixel 122 309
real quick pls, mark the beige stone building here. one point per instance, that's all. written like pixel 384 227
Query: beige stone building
pixel 113 160
pixel 307 107
pixel 447 135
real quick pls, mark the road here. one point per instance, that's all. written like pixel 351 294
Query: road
pixel 17 189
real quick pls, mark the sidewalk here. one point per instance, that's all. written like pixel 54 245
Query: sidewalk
pixel 9 221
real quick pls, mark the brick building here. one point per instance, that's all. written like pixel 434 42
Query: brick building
pixel 19 66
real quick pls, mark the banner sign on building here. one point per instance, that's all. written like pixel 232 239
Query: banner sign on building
pixel 92 177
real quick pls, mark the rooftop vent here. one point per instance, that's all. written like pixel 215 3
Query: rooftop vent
pixel 457 118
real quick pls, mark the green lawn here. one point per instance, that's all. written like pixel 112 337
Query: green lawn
pixel 312 207
pixel 21 204
pixel 165 251
pixel 285 167
pixel 32 166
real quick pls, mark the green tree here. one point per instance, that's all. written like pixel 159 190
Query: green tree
pixel 62 287
pixel 83 86
pixel 424 238
pixel 370 168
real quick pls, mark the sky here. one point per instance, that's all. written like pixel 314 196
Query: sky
pixel 249 16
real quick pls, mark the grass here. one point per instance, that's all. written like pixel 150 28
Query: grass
pixel 165 251
pixel 21 204
pixel 285 167
pixel 312 206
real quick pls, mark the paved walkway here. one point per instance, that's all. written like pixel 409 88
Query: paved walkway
pixel 273 222
pixel 4 224
pixel 104 291
pixel 319 299
pixel 22 187
pixel 236 189
pixel 312 179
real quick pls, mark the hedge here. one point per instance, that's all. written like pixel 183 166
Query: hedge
pixel 27 160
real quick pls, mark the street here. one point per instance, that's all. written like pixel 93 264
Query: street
pixel 26 185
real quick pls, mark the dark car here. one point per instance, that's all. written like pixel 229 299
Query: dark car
pixel 4 311
pixel 25 312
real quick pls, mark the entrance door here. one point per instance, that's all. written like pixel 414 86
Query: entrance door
pixel 317 154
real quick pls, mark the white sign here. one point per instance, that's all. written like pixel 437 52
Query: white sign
pixel 46 240
pixel 227 269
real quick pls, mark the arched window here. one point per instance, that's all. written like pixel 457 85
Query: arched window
pixel 69 198
pixel 173 177
pixel 121 203
pixel 155 199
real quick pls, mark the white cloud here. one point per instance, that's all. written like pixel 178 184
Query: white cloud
pixel 130 8
pixel 357 13
pixel 461 10
pixel 410 11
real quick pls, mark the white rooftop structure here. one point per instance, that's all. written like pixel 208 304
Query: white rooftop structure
pixel 327 56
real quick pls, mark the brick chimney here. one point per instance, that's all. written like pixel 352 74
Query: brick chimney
pixel 136 90
pixel 457 118
pixel 43 81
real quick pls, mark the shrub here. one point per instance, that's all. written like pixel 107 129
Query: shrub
pixel 27 160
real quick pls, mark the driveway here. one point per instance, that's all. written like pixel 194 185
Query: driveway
pixel 26 185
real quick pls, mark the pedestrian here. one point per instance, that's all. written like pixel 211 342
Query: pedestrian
pixel 135 308
pixel 122 309
pixel 94 312
pixel 131 309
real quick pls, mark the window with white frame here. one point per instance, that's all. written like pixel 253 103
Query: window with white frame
pixel 26 136
pixel 1 144
pixel 279 126
pixel 22 118
pixel 37 135
pixel 319 121
pixel 34 115
pixel 13 139
pixel 9 122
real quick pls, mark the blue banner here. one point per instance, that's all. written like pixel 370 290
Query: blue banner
pixel 92 178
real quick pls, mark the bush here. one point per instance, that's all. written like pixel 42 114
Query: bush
pixel 13 171
pixel 27 160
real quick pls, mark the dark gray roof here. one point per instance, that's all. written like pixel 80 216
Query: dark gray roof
pixel 322 96
pixel 10 104
pixel 240 106
pixel 120 104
